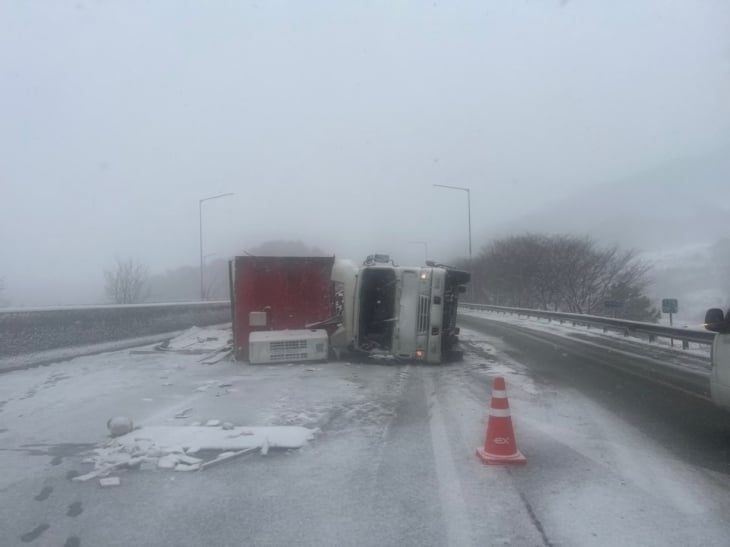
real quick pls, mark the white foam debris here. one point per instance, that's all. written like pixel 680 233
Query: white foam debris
pixel 171 447
pixel 183 413
pixel 119 425
pixel 110 481
pixel 85 477
pixel 197 339
pixel 187 460
pixel 187 467
pixel 225 456
pixel 167 462
pixel 212 423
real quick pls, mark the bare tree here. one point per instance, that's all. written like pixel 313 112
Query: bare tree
pixel 564 272
pixel 126 282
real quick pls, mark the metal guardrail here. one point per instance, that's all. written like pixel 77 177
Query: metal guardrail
pixel 28 330
pixel 651 330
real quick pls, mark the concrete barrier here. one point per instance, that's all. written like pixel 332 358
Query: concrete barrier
pixel 39 329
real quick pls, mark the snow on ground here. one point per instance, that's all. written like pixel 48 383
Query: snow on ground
pixel 200 340
pixel 567 329
pixel 592 477
pixel 61 411
pixel 395 454
pixel 176 447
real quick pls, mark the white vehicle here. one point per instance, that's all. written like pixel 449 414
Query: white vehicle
pixel 719 323
pixel 406 312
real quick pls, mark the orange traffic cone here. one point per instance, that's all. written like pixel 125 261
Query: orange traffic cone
pixel 500 446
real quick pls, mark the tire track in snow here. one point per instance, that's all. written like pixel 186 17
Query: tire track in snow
pixel 395 393
pixel 533 518
pixel 458 527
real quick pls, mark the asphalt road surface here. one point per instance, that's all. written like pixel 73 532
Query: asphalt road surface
pixel 612 458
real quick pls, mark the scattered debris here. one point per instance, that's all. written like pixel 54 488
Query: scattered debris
pixel 241 434
pixel 85 477
pixel 119 425
pixel 172 447
pixel 212 423
pixel 210 437
pixel 110 481
pixel 225 384
pixel 183 413
pixel 167 462
pixel 225 456
pixel 186 467
pixel 198 341
pixel 188 460
pixel 217 357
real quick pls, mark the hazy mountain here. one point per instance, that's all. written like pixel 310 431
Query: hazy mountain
pixel 676 214
pixel 673 205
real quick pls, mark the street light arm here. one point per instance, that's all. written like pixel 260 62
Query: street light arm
pixel 468 205
pixel 200 219
pixel 218 196
pixel 453 187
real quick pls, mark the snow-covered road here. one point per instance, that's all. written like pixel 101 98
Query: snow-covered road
pixel 392 461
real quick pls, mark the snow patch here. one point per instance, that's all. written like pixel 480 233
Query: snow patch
pixel 201 340
pixel 170 447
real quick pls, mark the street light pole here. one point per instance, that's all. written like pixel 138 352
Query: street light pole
pixel 468 204
pixel 200 216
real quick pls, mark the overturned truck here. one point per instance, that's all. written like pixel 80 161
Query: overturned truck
pixel 285 308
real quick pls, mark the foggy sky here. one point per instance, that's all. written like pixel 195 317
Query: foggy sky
pixel 330 121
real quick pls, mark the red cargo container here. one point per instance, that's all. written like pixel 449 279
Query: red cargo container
pixel 292 292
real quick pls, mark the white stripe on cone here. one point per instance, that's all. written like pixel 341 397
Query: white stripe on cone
pixel 499 394
pixel 499 412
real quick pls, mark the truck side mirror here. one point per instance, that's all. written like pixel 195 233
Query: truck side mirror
pixel 715 320
pixel 462 289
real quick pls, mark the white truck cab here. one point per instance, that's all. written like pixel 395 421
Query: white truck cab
pixel 719 323
pixel 406 312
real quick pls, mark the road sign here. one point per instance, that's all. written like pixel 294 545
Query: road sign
pixel 670 305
